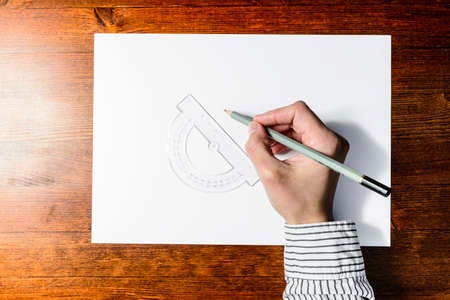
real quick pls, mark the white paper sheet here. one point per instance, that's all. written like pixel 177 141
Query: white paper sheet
pixel 139 79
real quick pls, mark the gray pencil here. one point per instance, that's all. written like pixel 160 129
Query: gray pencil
pixel 338 167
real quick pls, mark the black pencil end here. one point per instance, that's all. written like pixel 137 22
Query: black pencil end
pixel 376 186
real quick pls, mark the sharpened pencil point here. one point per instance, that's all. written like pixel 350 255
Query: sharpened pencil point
pixel 227 111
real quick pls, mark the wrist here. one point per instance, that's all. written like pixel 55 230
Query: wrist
pixel 309 219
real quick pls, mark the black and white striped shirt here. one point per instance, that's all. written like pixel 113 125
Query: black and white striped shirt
pixel 324 261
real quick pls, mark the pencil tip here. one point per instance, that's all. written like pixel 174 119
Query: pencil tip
pixel 227 111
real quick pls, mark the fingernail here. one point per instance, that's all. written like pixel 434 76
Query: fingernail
pixel 252 127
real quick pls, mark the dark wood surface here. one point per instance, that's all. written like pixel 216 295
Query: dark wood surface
pixel 46 61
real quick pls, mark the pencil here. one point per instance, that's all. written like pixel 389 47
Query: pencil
pixel 325 160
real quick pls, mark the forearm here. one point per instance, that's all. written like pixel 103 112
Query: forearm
pixel 324 259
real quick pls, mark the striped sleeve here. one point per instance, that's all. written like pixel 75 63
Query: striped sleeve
pixel 324 261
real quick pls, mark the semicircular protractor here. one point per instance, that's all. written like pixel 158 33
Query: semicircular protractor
pixel 192 116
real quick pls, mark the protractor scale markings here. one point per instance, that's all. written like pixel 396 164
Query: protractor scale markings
pixel 193 116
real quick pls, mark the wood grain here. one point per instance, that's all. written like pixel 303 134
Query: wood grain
pixel 70 30
pixel 46 63
pixel 32 4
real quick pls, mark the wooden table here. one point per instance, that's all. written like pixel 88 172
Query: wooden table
pixel 46 68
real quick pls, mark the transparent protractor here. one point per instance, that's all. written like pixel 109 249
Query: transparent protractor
pixel 192 116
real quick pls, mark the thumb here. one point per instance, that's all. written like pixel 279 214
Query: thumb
pixel 260 153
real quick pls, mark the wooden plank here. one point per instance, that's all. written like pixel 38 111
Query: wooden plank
pixel 71 30
pixel 164 288
pixel 42 4
pixel 145 288
pixel 174 269
pixel 47 205
pixel 45 4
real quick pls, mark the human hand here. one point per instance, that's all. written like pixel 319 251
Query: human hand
pixel 300 189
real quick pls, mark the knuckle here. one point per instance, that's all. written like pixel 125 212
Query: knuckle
pixel 270 175
pixel 339 145
pixel 300 105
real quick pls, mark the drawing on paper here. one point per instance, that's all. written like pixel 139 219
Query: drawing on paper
pixel 205 174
